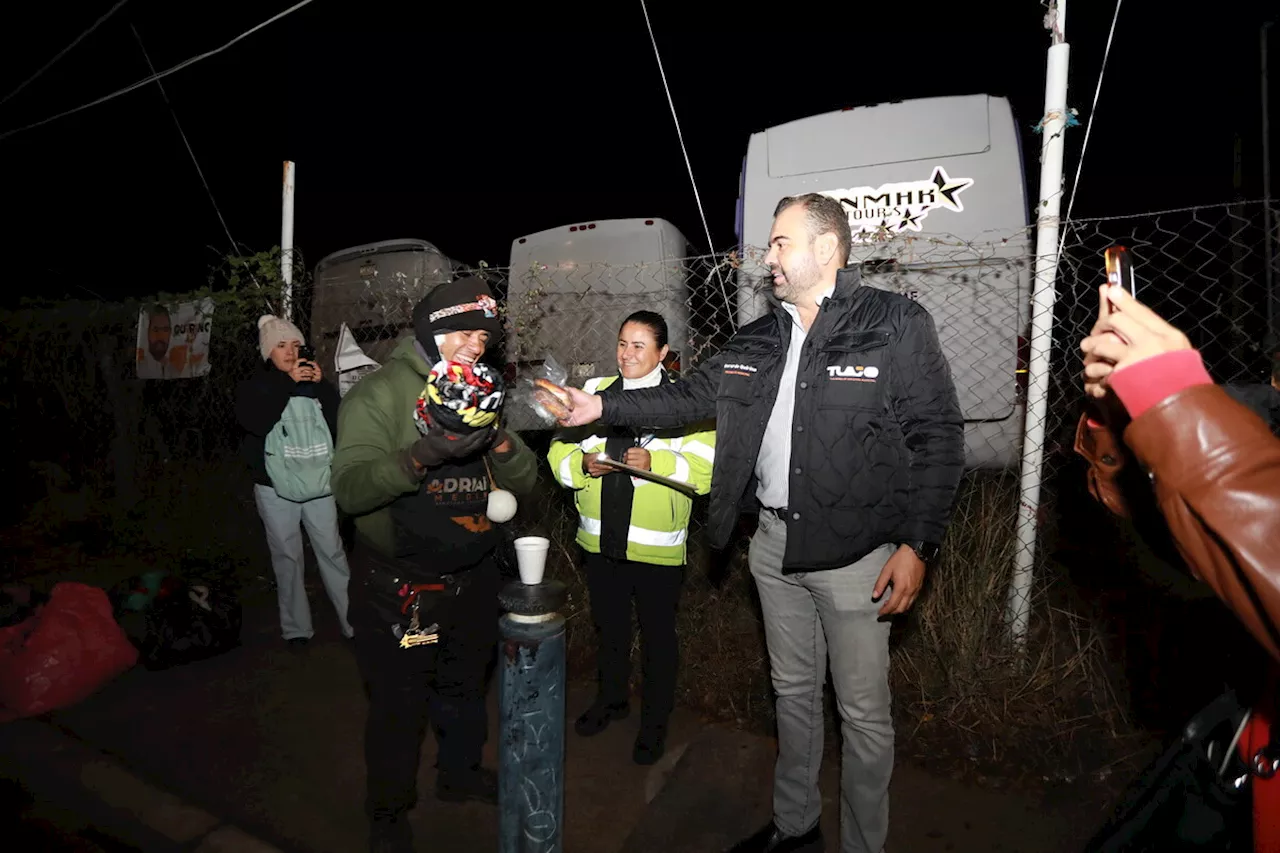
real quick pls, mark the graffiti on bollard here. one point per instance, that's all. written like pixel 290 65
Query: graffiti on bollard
pixel 531 760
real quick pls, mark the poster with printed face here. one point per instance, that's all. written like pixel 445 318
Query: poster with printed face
pixel 173 340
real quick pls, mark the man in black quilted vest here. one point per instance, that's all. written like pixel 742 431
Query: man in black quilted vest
pixel 839 421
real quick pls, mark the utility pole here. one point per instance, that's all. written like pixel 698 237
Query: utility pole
pixel 286 241
pixel 1054 126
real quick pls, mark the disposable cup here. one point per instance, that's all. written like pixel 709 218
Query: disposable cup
pixel 531 556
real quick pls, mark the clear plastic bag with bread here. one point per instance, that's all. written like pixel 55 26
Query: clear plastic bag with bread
pixel 545 394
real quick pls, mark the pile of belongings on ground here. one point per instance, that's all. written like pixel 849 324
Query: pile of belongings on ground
pixel 60 647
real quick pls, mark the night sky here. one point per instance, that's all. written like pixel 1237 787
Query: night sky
pixel 469 126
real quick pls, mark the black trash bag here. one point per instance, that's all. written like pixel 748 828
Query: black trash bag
pixel 1181 800
pixel 189 621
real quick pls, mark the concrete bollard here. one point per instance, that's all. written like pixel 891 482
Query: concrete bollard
pixel 532 701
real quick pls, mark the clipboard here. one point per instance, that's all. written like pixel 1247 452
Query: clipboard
pixel 647 475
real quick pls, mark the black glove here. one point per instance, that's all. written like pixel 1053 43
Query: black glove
pixel 438 446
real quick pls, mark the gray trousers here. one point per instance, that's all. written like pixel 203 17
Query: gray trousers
pixel 807 616
pixel 283 520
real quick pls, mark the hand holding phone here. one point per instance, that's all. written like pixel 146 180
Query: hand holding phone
pixel 1119 268
pixel 307 365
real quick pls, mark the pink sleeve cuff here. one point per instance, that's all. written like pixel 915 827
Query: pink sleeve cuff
pixel 1144 383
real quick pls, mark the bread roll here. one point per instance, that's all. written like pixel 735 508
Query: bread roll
pixel 553 398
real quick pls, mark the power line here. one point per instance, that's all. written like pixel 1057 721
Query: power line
pixel 64 51
pixel 689 166
pixel 1084 145
pixel 181 65
pixel 185 142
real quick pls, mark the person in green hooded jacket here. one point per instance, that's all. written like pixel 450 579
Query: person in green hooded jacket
pixel 423 562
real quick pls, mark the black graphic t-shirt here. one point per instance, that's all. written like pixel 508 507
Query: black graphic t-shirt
pixel 443 526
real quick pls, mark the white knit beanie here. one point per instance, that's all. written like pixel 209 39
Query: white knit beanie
pixel 273 330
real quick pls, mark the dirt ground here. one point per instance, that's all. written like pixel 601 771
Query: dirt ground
pixel 270 739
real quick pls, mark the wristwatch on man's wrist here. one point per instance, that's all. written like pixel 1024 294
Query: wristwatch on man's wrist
pixel 926 551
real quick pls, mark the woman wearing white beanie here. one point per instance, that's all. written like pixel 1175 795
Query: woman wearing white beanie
pixel 290 420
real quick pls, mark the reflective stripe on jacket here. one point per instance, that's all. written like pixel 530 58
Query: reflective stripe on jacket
pixel 659 521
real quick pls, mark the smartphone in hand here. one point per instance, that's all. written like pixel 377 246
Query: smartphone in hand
pixel 307 354
pixel 1120 269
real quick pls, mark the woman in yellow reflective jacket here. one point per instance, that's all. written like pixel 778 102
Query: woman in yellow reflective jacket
pixel 633 532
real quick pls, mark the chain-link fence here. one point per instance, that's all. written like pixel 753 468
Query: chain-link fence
pixel 163 453
pixel 1204 269
pixel 148 465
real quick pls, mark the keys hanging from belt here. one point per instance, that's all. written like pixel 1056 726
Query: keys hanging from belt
pixel 416 635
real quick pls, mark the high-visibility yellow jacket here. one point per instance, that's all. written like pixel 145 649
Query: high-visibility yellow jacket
pixel 659 523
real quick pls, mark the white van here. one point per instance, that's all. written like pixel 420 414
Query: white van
pixel 937 202
pixel 572 286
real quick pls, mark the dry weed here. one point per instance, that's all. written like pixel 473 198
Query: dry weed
pixel 962 696
pixel 963 693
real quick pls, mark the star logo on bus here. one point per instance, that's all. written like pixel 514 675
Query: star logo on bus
pixel 949 188
pixel 900 206
pixel 911 221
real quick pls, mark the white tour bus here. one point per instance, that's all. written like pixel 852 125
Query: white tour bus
pixel 369 291
pixel 937 202
pixel 573 285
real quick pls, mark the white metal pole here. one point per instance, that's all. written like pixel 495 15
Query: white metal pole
pixel 286 242
pixel 1054 126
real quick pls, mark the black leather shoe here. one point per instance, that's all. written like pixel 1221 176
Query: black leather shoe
pixel 771 840
pixel 597 718
pixel 457 786
pixel 650 744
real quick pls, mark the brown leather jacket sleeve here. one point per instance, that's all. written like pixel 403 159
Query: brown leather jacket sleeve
pixel 1106 457
pixel 1216 470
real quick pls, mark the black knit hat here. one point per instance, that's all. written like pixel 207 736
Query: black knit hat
pixel 460 305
